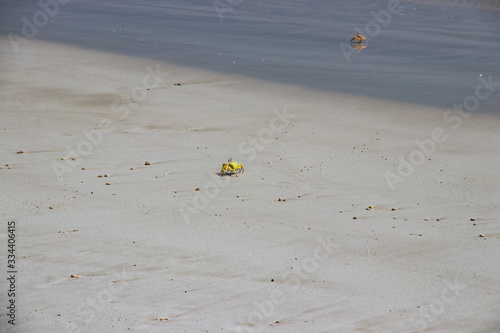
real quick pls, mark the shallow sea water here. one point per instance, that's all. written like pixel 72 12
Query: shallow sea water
pixel 425 52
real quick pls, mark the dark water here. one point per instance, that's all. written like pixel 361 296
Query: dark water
pixel 430 53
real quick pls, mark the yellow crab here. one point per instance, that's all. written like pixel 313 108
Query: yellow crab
pixel 231 167
pixel 359 38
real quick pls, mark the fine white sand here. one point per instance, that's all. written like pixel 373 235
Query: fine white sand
pixel 231 257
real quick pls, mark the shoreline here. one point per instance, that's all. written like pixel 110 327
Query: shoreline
pixel 416 40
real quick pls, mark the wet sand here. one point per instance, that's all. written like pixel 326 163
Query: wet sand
pixel 232 256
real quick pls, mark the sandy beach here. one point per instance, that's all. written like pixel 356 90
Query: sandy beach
pixel 353 214
pixel 232 256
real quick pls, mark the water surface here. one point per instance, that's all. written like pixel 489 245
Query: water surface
pixel 428 52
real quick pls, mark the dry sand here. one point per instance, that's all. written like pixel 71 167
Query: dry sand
pixel 231 257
